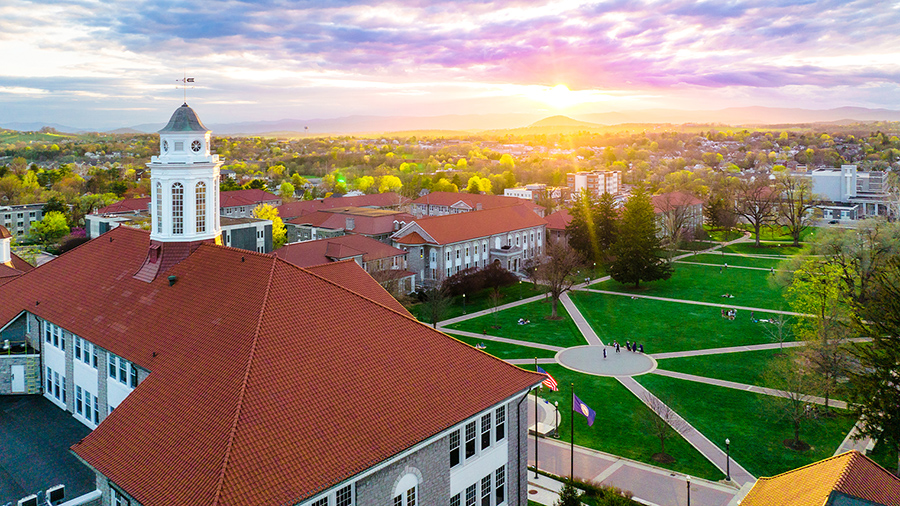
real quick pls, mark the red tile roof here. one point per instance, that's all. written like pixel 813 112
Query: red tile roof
pixel 453 228
pixel 850 473
pixel 470 199
pixel 126 206
pixel 365 221
pixel 245 197
pixel 4 233
pixel 269 383
pixel 304 254
pixel 380 200
pixel 558 220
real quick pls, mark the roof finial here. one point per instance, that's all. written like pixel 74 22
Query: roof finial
pixel 184 81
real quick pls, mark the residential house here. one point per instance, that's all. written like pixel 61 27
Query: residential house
pixel 441 246
pixel 212 375
pixel 378 224
pixel 385 263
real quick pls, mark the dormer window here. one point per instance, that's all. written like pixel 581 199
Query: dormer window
pixel 195 146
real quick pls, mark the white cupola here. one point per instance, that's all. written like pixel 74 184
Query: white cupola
pixel 5 247
pixel 184 180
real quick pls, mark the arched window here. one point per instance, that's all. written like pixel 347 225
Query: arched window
pixel 200 195
pixel 159 206
pixel 406 491
pixel 177 208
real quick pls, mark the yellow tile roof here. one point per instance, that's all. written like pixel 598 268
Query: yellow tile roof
pixel 850 473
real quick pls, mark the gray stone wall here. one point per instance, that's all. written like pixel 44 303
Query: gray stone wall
pixel 518 453
pixel 32 371
pixel 104 487
pixel 431 464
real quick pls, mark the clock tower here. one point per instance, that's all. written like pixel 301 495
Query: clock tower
pixel 184 198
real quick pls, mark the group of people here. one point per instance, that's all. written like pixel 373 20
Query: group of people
pixel 632 347
pixel 523 321
pixel 730 314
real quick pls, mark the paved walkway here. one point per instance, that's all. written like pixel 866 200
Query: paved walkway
pixel 498 339
pixel 583 326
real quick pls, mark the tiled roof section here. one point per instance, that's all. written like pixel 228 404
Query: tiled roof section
pixel 184 119
pixel 305 254
pixel 666 201
pixel 351 276
pixel 125 206
pixel 558 220
pixel 20 264
pixel 251 197
pixel 470 199
pixel 8 273
pixel 4 233
pixel 339 251
pixel 365 221
pixel 453 228
pixel 411 238
pixel 380 200
pixel 850 473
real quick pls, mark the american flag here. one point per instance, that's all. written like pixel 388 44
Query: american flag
pixel 550 382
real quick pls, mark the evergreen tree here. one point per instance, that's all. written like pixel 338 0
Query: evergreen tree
pixel 568 495
pixel 637 247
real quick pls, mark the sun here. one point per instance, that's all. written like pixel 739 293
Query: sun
pixel 557 97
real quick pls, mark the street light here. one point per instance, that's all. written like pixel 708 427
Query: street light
pixel 727 460
pixel 689 490
pixel 520 289
pixel 556 430
pixel 464 303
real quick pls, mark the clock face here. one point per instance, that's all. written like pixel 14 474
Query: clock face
pixel 195 146
pixel 166 146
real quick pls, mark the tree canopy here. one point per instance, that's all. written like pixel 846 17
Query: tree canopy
pixel 637 249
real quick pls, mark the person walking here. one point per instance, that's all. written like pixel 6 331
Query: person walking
pixel 604 353
pixel 642 348
pixel 617 347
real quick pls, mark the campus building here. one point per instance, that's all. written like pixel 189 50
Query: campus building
pixel 443 203
pixel 851 194
pixel 17 219
pixel 441 246
pixel 596 182
pixel 213 375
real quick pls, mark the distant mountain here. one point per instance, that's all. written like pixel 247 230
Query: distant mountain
pixel 746 116
pixel 562 121
pixel 34 126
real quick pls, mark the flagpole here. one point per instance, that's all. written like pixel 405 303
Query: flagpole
pixel 572 438
pixel 535 426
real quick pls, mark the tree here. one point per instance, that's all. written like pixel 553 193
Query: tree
pixel 789 375
pixel 389 184
pixel 776 329
pixel 496 277
pixel 51 228
pixel 875 392
pixel 637 247
pixel 286 192
pixel 756 202
pixel 795 205
pixel 581 231
pixel 568 495
pixel 364 183
pixel 662 421
pixel 557 272
pixel 55 204
pixel 267 212
pixel 677 212
pixel 435 301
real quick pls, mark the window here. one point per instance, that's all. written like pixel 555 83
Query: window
pixel 500 485
pixel 96 409
pixel 344 496
pixel 113 360
pixel 448 256
pixel 78 348
pixel 456 500
pixel 454 448
pixel 411 497
pixel 87 405
pixel 398 500
pixel 486 431
pixel 470 439
pixel 159 206
pixel 470 496
pixel 116 498
pixel 79 407
pixel 500 428
pixel 123 371
pixel 200 196
pixel 179 145
pixel 133 379
pixel 321 502
pixel 177 208
pixel 49 381
pixel 95 357
pixel 486 491
pixel 56 385
pixel 48 331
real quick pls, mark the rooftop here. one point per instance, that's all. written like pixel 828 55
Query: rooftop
pixel 184 119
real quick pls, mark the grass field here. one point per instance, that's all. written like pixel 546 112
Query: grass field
pixel 479 301
pixel 755 430
pixel 663 326
pixel 505 350
pixel 746 367
pixel 743 260
pixel 617 427
pixel 541 330
pixel 765 248
pixel 704 283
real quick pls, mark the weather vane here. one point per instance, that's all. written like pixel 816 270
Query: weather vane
pixel 184 85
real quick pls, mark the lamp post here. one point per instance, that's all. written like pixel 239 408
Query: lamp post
pixel 727 460
pixel 689 490
pixel 556 430
pixel 520 289
pixel 464 303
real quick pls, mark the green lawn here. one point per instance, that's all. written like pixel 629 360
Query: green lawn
pixel 541 330
pixel 747 367
pixel 724 236
pixel 663 326
pixel 616 428
pixel 743 261
pixel 479 301
pixel 506 350
pixel 755 430
pixel 705 283
pixel 765 248
pixel 885 457
pixel 781 233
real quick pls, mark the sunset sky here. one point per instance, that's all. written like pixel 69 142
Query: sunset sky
pixel 107 64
